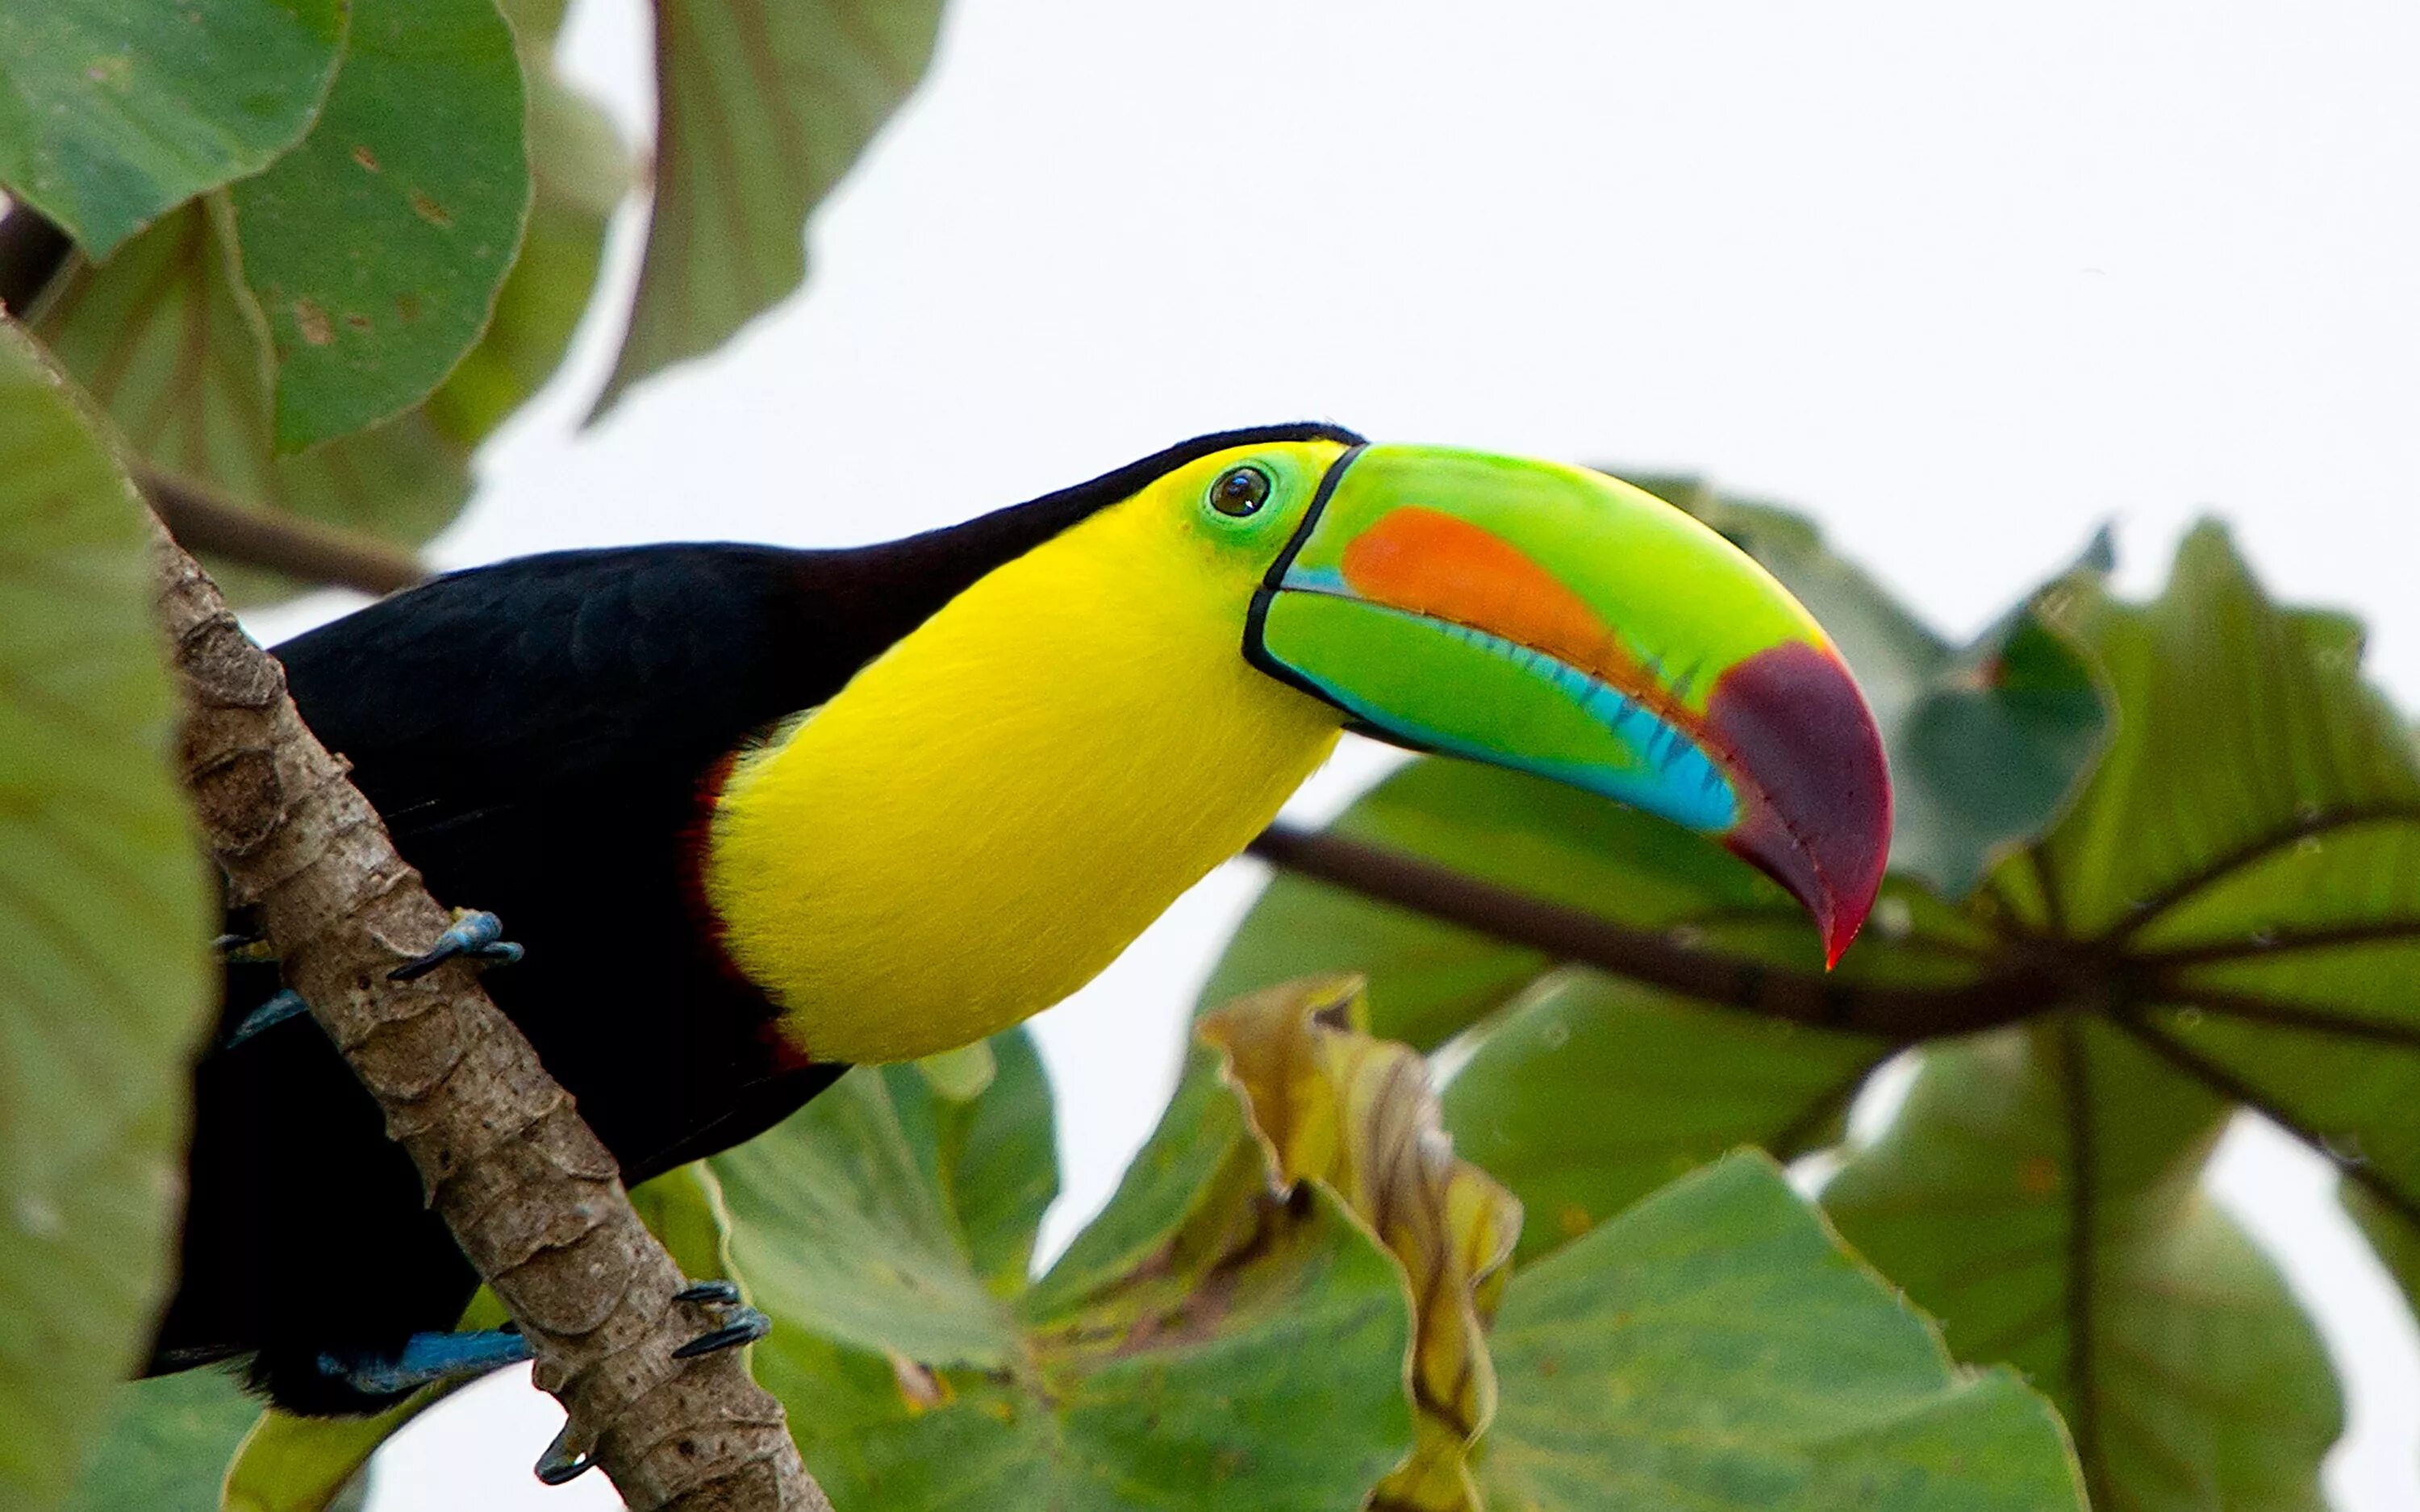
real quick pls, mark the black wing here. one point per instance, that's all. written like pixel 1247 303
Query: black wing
pixel 537 736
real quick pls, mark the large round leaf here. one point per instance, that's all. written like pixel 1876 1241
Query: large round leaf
pixel 376 247
pixel 103 918
pixel 1210 1342
pixel 170 340
pixel 166 1444
pixel 2084 1250
pixel 166 338
pixel 1591 1091
pixel 2230 909
pixel 762 105
pixel 1713 1348
pixel 1428 982
pixel 111 112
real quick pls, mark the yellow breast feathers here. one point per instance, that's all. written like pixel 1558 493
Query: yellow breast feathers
pixel 989 813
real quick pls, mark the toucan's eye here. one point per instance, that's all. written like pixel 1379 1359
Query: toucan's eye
pixel 1240 491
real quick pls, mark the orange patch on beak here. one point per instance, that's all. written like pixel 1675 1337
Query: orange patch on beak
pixel 1427 562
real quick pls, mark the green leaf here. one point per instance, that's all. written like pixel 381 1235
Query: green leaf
pixel 1357 1115
pixel 1714 1347
pixel 1676 1084
pixel 1212 1342
pixel 164 336
pixel 103 910
pixel 1668 1084
pixel 2084 1251
pixel 376 247
pixel 1427 982
pixel 168 338
pixel 762 105
pixel 2396 1238
pixel 2230 909
pixel 992 1148
pixel 113 110
pixel 303 1464
pixel 167 1445
pixel 683 1207
pixel 1987 741
pixel 581 170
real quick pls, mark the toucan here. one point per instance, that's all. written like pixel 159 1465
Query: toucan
pixel 752 815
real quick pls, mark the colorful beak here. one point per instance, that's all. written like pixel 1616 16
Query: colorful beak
pixel 1559 622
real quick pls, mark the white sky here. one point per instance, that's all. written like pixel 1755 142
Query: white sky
pixel 1962 281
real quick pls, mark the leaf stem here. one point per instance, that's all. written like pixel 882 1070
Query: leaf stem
pixel 2309 827
pixel 2289 1016
pixel 2226 1084
pixel 2076 1090
pixel 2382 931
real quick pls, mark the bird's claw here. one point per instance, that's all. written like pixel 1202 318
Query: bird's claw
pixel 286 1004
pixel 735 1322
pixel 475 934
pixel 741 1325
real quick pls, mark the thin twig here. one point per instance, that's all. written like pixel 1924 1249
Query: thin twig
pixel 2004 994
pixel 530 1194
pixel 203 520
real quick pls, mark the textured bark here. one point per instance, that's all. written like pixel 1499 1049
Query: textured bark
pixel 529 1192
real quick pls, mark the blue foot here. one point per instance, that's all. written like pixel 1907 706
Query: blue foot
pixel 475 935
pixel 427 1358
pixel 286 1004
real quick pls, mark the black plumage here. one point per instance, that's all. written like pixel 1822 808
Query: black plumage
pixel 541 736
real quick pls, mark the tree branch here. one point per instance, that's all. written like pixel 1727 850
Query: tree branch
pixel 2005 993
pixel 202 521
pixel 531 1194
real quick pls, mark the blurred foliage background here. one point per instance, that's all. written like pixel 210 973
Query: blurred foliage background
pixel 1457 1204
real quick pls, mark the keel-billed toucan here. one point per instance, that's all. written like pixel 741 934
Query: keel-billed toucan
pixel 756 815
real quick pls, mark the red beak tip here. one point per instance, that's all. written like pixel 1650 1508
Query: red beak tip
pixel 1837 940
pixel 1814 782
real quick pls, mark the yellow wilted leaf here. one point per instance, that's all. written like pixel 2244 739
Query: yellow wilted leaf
pixel 1334 1104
